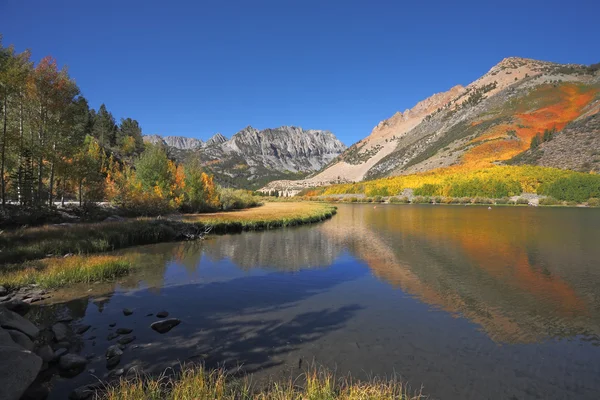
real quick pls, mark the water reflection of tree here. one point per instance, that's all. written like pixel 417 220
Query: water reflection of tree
pixel 282 250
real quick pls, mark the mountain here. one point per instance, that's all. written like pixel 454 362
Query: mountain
pixel 178 142
pixel 488 122
pixel 252 158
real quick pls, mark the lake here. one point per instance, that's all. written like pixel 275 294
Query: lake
pixel 468 303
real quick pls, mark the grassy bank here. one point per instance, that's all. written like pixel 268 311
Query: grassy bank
pixel 27 244
pixel 51 273
pixel 268 216
pixel 197 383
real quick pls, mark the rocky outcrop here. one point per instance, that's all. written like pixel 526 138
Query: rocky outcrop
pixel 177 142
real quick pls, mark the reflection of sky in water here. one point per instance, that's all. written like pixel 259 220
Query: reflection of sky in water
pixel 378 291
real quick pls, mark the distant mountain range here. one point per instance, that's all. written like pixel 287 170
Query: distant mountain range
pixel 252 158
pixel 491 121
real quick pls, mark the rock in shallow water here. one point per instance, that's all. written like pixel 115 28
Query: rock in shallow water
pixel 124 331
pixel 83 329
pixel 60 331
pixel 113 351
pixel 126 339
pixel 127 312
pixel 165 325
pixel 18 370
pixel 113 362
pixel 72 363
pixel 162 314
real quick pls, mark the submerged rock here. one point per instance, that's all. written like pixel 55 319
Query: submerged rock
pixel 60 331
pixel 83 329
pixel 112 335
pixel 18 370
pixel 113 351
pixel 12 320
pixel 126 339
pixel 165 325
pixel 72 363
pixel 113 362
pixel 127 312
pixel 124 331
pixel 162 314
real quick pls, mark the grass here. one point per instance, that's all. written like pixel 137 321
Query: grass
pixel 51 273
pixel 26 244
pixel 195 382
pixel 270 215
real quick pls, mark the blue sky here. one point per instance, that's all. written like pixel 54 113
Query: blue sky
pixel 194 68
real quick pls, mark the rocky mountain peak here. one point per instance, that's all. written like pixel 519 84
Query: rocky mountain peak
pixel 216 139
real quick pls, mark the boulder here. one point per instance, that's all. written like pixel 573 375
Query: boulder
pixel 18 306
pixel 12 320
pixel 165 325
pixel 72 364
pixel 60 331
pixel 58 353
pixel 3 291
pixel 36 392
pixel 21 339
pixel 6 339
pixel 46 353
pixel 18 370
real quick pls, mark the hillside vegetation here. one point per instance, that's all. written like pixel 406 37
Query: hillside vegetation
pixel 491 182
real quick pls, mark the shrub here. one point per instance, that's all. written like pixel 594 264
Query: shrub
pixel 522 200
pixel 428 189
pixel 482 200
pixel 465 200
pixel 421 200
pixel 577 187
pixel 503 200
pixel 490 188
pixel 399 200
pixel 594 202
pixel 377 199
pixel 232 199
pixel 548 201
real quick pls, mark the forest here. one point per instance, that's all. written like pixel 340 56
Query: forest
pixel 55 148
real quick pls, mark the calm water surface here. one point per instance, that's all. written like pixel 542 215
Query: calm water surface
pixel 471 303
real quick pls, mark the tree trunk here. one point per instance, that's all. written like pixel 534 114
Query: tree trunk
pixel 3 156
pixel 51 183
pixel 20 154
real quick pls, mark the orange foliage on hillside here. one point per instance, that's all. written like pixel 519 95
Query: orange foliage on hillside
pixel 559 106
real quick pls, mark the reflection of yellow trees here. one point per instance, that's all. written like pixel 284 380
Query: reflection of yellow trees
pixel 499 270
